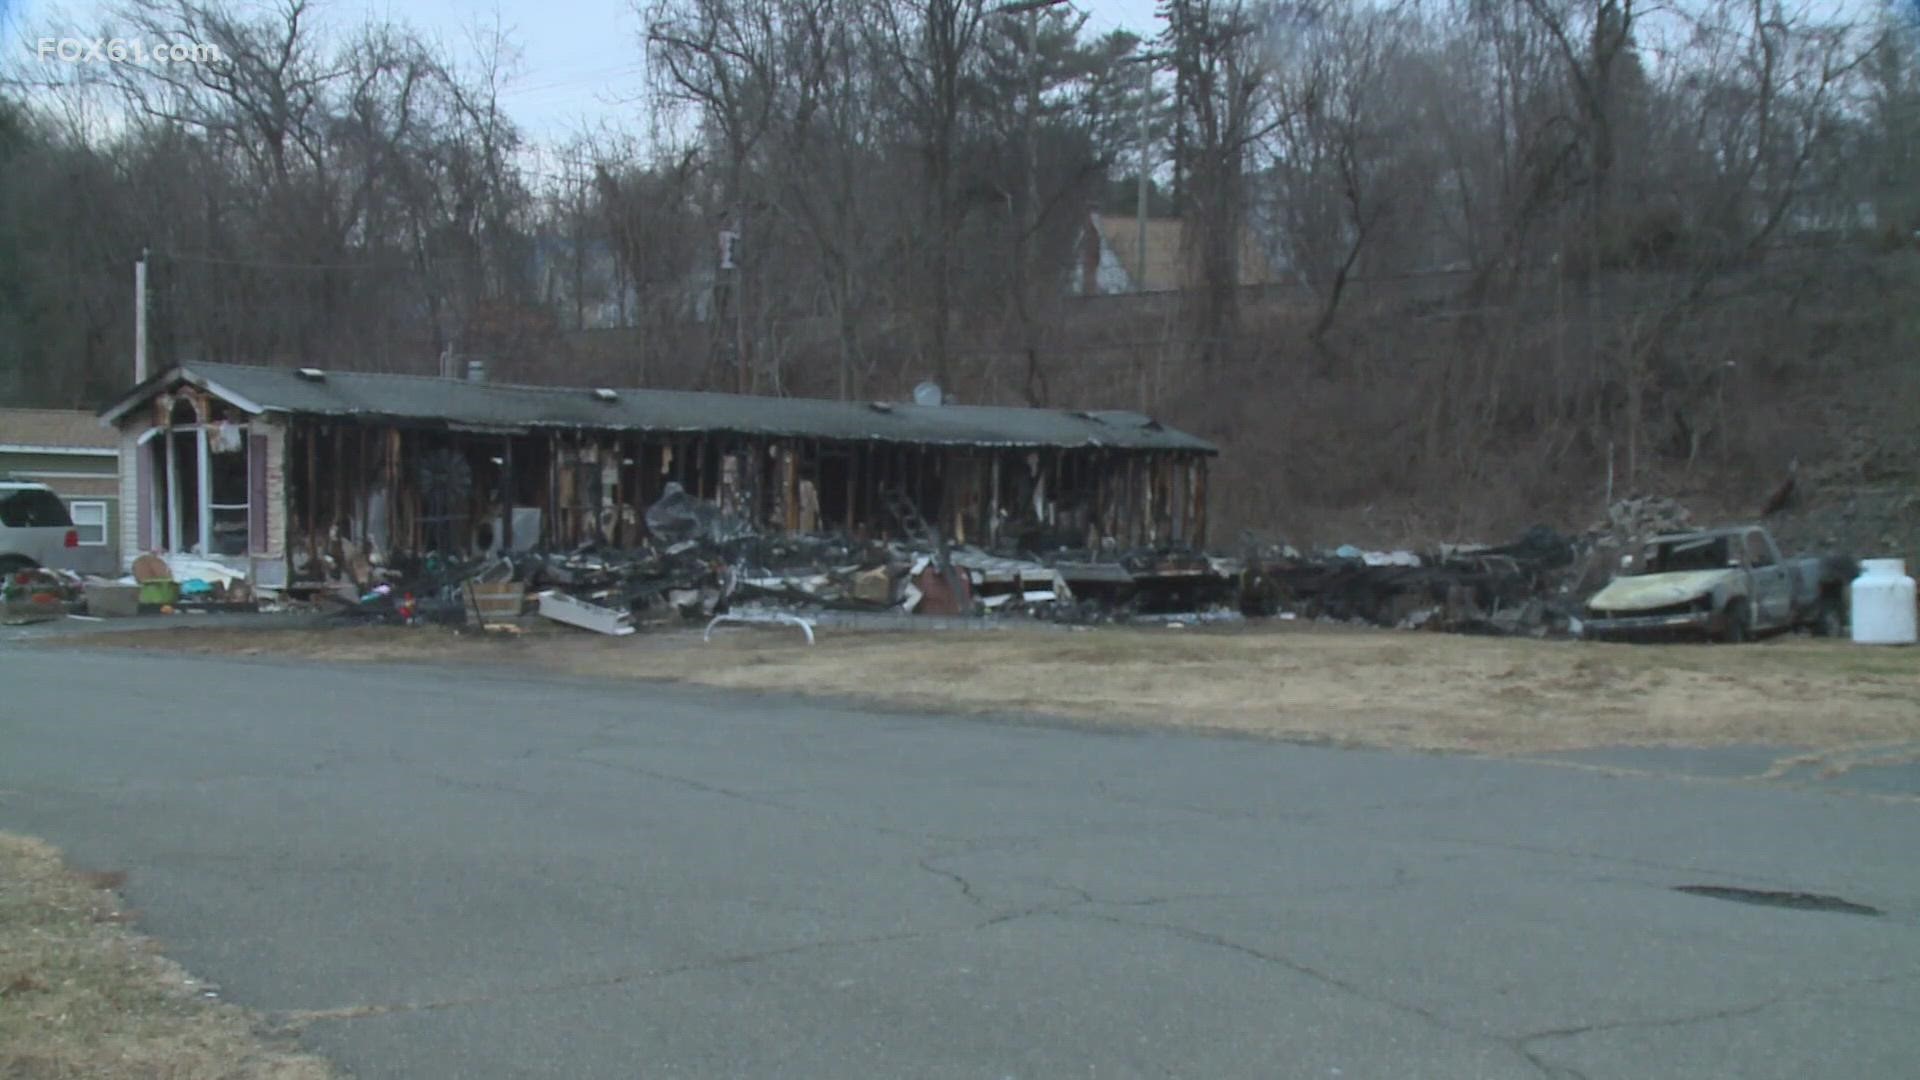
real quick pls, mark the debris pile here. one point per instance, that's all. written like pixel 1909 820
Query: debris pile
pixel 1534 585
pixel 700 563
pixel 1153 584
pixel 169 584
pixel 1639 518
pixel 702 576
pixel 155 584
pixel 1628 524
pixel 1516 588
pixel 38 594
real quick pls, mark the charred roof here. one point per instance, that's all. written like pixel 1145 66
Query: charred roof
pixel 427 400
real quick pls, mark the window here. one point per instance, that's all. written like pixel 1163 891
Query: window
pixel 227 469
pixel 1757 553
pixel 32 508
pixel 1700 553
pixel 90 521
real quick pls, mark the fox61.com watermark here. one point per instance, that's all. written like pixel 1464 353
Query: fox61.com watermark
pixel 73 50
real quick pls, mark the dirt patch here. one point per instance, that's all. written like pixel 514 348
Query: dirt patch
pixel 1313 683
pixel 82 996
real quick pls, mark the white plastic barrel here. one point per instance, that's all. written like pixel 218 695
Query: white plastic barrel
pixel 1882 601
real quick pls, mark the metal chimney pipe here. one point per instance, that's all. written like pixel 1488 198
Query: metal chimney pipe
pixel 140 319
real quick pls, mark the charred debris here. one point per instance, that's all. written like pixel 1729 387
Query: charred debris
pixel 402 498
pixel 410 498
pixel 698 563
pixel 731 524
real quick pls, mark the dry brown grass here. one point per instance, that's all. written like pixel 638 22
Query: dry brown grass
pixel 1291 681
pixel 82 996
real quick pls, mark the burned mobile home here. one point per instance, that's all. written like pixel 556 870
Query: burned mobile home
pixel 262 468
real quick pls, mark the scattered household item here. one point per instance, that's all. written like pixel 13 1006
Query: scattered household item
pixel 805 625
pixel 497 599
pixel 112 599
pixel 162 593
pixel 190 567
pixel 562 608
pixel 151 567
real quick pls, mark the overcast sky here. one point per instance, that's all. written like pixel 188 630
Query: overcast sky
pixel 579 58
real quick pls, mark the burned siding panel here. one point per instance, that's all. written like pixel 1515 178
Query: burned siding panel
pixel 257 494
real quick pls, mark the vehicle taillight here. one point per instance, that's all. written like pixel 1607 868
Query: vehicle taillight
pixel 73 537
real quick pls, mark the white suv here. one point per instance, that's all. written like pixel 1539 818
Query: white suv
pixel 35 529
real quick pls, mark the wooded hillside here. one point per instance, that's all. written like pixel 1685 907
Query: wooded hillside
pixel 1525 251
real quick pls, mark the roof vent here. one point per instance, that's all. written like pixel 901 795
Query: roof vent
pixel 604 394
pixel 312 374
pixel 927 393
pixel 880 406
pixel 1085 415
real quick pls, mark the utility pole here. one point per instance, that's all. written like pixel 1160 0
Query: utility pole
pixel 1147 62
pixel 1027 222
pixel 1140 207
pixel 739 305
pixel 730 272
pixel 1030 137
pixel 140 318
pixel 1030 220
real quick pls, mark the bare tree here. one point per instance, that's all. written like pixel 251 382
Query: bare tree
pixel 926 48
pixel 1223 107
pixel 1350 158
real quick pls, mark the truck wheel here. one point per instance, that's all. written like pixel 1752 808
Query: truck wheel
pixel 1829 620
pixel 1734 629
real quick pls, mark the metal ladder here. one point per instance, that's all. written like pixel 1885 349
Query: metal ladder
pixel 907 514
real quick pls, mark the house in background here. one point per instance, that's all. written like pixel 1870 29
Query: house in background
pixel 1112 262
pixel 79 459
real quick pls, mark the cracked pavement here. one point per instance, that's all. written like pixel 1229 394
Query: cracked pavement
pixel 450 873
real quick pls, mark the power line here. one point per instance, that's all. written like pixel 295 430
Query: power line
pixel 275 264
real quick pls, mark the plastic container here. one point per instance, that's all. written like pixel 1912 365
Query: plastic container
pixel 159 592
pixel 1882 601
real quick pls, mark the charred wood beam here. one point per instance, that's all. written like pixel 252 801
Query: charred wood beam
pixel 993 501
pixel 506 495
pixel 313 510
pixel 334 440
pixel 549 529
pixel 1200 506
pixel 363 473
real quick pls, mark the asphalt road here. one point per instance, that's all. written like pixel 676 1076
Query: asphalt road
pixel 450 873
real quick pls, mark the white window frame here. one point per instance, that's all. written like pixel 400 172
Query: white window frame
pixel 167 519
pixel 105 520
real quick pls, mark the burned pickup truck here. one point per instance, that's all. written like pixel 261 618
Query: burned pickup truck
pixel 1730 584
